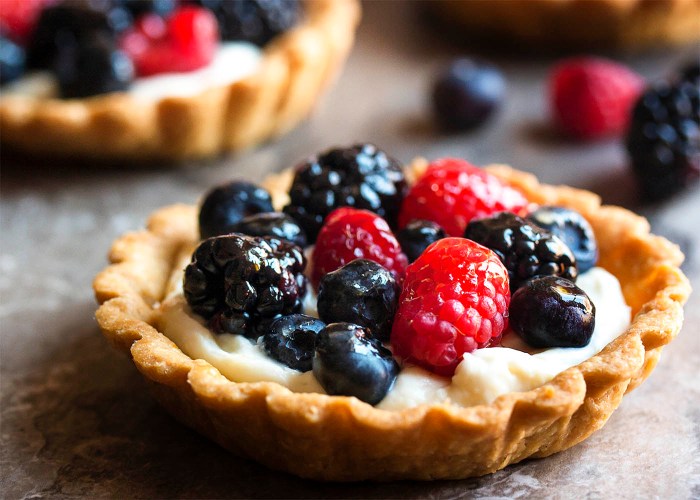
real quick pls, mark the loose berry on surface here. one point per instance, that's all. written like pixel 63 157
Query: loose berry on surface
pixel 452 192
pixel 552 312
pixel 349 362
pixel 291 340
pixel 275 224
pixel 417 236
pixel 455 299
pixel 361 292
pixel 351 234
pixel 224 207
pixel 591 98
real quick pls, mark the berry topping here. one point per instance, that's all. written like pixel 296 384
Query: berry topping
pixel 361 292
pixel 466 94
pixel 274 224
pixel 361 176
pixel 240 284
pixel 291 340
pixel 224 206
pixel 18 18
pixel 349 362
pixel 526 249
pixel 573 229
pixel 552 312
pixel 417 236
pixel 351 234
pixel 140 7
pixel 591 98
pixel 11 60
pixel 452 192
pixel 454 300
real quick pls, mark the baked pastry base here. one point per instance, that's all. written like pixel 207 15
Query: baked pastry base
pixel 295 69
pixel 343 439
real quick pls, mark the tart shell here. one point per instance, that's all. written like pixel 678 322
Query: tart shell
pixel 343 439
pixel 295 69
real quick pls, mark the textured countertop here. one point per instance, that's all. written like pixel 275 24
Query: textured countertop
pixel 76 419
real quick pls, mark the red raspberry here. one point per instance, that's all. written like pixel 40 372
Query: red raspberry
pixel 591 98
pixel 349 234
pixel 452 192
pixel 18 17
pixel 455 299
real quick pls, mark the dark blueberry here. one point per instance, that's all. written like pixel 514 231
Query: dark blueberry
pixel 274 224
pixel 417 236
pixel 466 94
pixel 225 206
pixel 525 249
pixel 11 60
pixel 552 312
pixel 573 229
pixel 691 72
pixel 361 292
pixel 349 362
pixel 140 7
pixel 361 176
pixel 292 339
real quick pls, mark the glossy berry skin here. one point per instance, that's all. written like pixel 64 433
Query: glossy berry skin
pixel 466 94
pixel 591 98
pixel 18 18
pixel 361 292
pixel 361 176
pixel 275 224
pixel 454 300
pixel 291 340
pixel 351 234
pixel 525 249
pixel 452 192
pixel 552 312
pixel 349 362
pixel 11 60
pixel 417 236
pixel 241 284
pixel 573 229
pixel 226 205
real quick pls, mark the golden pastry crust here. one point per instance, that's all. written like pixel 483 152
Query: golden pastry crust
pixel 296 67
pixel 341 438
pixel 576 23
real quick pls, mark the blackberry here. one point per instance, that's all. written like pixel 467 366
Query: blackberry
pixel 273 224
pixel 664 137
pixel 525 249
pixel 361 176
pixel 417 236
pixel 224 206
pixel 11 60
pixel 241 284
pixel 292 339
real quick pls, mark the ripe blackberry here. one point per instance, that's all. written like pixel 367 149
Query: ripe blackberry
pixel 525 249
pixel 275 224
pixel 361 176
pixel 240 284
pixel 292 339
pixel 417 236
pixel 664 138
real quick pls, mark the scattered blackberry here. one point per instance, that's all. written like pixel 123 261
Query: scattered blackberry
pixel 275 224
pixel 525 249
pixel 11 60
pixel 552 312
pixel 292 339
pixel 224 206
pixel 361 176
pixel 361 292
pixel 240 284
pixel 417 236
pixel 349 362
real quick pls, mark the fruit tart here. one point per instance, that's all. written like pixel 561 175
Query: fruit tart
pixel 164 79
pixel 354 319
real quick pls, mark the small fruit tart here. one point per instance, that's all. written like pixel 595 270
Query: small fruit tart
pixel 354 319
pixel 164 80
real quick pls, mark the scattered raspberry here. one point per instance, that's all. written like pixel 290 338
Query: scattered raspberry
pixel 455 300
pixel 350 234
pixel 452 192
pixel 18 17
pixel 591 98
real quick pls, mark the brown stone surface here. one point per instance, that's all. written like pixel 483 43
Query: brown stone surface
pixel 76 420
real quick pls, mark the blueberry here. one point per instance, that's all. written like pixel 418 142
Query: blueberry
pixel 349 362
pixel 11 60
pixel 226 205
pixel 573 229
pixel 466 94
pixel 291 340
pixel 139 7
pixel 552 312
pixel 274 224
pixel 417 236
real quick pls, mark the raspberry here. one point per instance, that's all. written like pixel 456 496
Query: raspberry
pixel 454 300
pixel 350 234
pixel 18 18
pixel 591 98
pixel 452 192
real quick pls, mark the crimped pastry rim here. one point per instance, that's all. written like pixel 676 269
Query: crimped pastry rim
pixel 340 438
pixel 295 69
